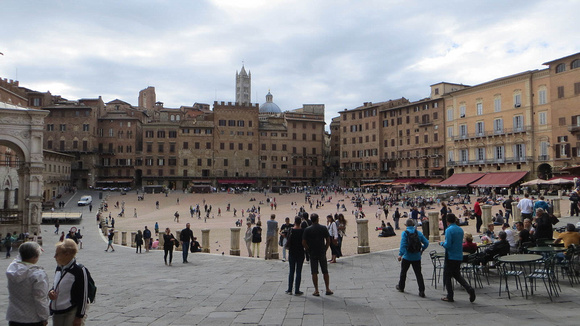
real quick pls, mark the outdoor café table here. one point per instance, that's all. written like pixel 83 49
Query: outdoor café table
pixel 546 249
pixel 522 260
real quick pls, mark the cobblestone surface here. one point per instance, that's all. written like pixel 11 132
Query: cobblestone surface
pixel 138 289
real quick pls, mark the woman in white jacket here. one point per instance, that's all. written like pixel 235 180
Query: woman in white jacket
pixel 27 288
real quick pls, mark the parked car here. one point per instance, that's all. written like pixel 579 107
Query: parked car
pixel 85 200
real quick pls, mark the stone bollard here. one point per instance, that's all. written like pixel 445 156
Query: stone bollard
pixel 486 215
pixel 556 207
pixel 205 240
pixel 362 229
pixel 235 241
pixel 116 237
pixel 133 243
pixel 161 241
pixel 105 230
pixel 123 238
pixel 517 214
pixel 434 227
pixel 560 194
pixel 177 237
pixel 510 192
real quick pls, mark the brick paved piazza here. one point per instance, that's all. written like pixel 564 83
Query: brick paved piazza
pixel 138 289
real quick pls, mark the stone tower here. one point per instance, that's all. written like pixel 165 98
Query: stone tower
pixel 243 86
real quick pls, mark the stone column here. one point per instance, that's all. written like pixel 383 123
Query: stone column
pixel 235 241
pixel 161 241
pixel 205 240
pixel 133 243
pixel 177 237
pixel 123 238
pixel 486 215
pixel 105 229
pixel 560 194
pixel 556 204
pixel 517 214
pixel 510 192
pixel 116 237
pixel 434 227
pixel 362 229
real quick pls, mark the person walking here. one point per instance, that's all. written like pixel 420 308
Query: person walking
pixel 27 288
pixel 147 238
pixel 271 235
pixel 295 256
pixel 168 243
pixel 333 232
pixel 7 242
pixel 396 217
pixel 110 240
pixel 413 243
pixel 316 241
pixel 256 239
pixel 477 211
pixel 139 242
pixel 248 238
pixel 186 237
pixel 453 245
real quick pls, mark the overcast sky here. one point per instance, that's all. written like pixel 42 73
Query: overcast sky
pixel 337 53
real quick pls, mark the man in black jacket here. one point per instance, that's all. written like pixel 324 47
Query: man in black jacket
pixel 507 205
pixel 185 238
pixel 500 247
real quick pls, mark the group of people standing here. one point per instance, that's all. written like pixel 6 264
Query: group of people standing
pixel 31 300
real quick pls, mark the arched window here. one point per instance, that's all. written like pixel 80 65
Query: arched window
pixel 560 68
pixel 575 64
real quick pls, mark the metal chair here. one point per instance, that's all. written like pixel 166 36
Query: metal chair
pixel 505 271
pixel 437 267
pixel 547 275
pixel 566 265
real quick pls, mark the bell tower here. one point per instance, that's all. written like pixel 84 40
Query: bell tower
pixel 243 86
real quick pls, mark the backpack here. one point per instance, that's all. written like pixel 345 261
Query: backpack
pixel 91 284
pixel 413 242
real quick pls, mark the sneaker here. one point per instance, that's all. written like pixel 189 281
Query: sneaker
pixel 288 292
pixel 399 289
pixel 471 294
pixel 422 294
pixel 299 293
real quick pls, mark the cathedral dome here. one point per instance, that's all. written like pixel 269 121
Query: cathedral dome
pixel 269 106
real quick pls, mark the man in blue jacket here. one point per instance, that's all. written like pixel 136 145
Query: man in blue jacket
pixel 453 245
pixel 409 257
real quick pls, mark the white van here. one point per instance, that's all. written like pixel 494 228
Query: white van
pixel 85 200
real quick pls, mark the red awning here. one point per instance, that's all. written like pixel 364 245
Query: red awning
pixel 460 179
pixel 499 179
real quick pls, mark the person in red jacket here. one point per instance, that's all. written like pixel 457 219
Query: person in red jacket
pixel 477 211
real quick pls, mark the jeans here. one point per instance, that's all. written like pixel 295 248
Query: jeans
pixel 452 269
pixel 405 264
pixel 284 248
pixel 185 249
pixel 295 262
pixel 508 213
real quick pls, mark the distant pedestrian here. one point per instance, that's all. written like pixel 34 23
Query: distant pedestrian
pixel 135 212
pixel 169 242
pixel 57 226
pixel 295 256
pixel 271 236
pixel 256 239
pixel 110 240
pixel 139 242
pixel 186 237
pixel 147 238
pixel 176 217
pixel 156 228
pixel 248 238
